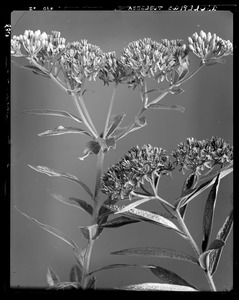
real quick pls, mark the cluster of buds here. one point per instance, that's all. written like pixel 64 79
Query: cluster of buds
pixel 82 60
pixel 150 58
pixel 139 164
pixel 195 155
pixel 37 44
pixel 207 45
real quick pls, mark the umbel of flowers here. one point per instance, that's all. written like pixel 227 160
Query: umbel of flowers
pixel 125 176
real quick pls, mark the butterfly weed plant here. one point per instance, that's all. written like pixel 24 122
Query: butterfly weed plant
pixel 136 176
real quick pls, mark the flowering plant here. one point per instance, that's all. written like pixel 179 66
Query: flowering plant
pixel 136 176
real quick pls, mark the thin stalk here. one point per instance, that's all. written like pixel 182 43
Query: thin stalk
pixel 109 111
pixel 82 115
pixel 192 74
pixel 89 247
pixel 195 247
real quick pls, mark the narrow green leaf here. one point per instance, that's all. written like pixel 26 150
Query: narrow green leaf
pixel 169 276
pixel 176 91
pixel 76 274
pixel 36 70
pixel 215 61
pixel 116 121
pixel 157 252
pixel 175 76
pixel 53 231
pixel 89 232
pixel 63 130
pixel 75 202
pixel 148 286
pixel 223 234
pixel 209 213
pixel 90 148
pixel 168 107
pixel 183 72
pixel 118 222
pixel 132 205
pixel 91 284
pixel 188 185
pixel 54 173
pixel 205 259
pixel 51 277
pixel 50 112
pixel 65 285
pixel 113 266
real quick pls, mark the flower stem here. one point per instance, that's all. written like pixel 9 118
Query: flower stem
pixel 191 75
pixel 210 281
pixel 87 257
pixel 109 111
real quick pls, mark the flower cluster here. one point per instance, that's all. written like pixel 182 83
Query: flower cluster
pixel 204 45
pixel 150 58
pixel 196 155
pixel 125 176
pixel 82 60
pixel 38 44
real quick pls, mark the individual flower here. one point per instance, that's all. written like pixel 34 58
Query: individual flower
pixel 138 164
pixel 150 58
pixel 196 155
pixel 209 45
pixel 82 60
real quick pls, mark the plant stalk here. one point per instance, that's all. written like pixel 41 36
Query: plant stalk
pixel 109 111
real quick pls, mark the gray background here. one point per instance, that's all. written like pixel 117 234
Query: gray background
pixel 208 102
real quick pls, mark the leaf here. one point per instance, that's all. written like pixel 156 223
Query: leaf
pixel 160 220
pixel 156 252
pixel 113 266
pixel 188 184
pixel 175 76
pixel 169 276
pixel 205 258
pixel 132 205
pixel 215 61
pixel 116 120
pixel 118 222
pixel 89 232
pixel 36 70
pixel 176 91
pixel 222 235
pixel 168 107
pixel 209 213
pixel 110 143
pixel 157 287
pixel 75 202
pixel 90 148
pixel 53 231
pixel 50 112
pixel 91 283
pixel 54 173
pixel 82 204
pixel 65 285
pixel 63 130
pixel 51 277
pixel 76 274
pixel 119 132
pixel 183 71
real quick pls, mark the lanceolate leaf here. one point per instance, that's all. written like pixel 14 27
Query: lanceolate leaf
pixel 205 257
pixel 148 286
pixel 161 106
pixel 65 285
pixel 157 252
pixel 51 277
pixel 169 276
pixel 91 283
pixel 36 70
pixel 188 184
pixel 53 231
pixel 209 213
pixel 75 202
pixel 116 120
pixel 63 130
pixel 50 112
pixel 76 274
pixel 132 205
pixel 54 173
pixel 118 222
pixel 222 235
pixel 113 266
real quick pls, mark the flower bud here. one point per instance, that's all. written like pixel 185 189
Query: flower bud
pixel 190 40
pixel 209 36
pixel 202 34
pixel 191 47
pixel 37 33
pixel 195 37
